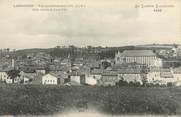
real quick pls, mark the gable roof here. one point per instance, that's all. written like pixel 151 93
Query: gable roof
pixel 109 73
pixel 97 71
pixel 154 69
pixel 130 71
pixel 59 74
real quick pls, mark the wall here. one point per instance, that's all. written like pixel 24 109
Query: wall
pixel 49 79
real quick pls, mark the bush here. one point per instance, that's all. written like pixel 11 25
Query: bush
pixel 170 84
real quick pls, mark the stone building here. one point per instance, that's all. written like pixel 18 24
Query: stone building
pixel 146 57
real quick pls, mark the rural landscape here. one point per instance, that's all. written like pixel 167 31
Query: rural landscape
pixel 63 79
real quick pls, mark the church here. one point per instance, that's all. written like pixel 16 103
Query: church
pixel 145 57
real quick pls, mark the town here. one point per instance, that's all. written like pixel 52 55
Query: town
pixel 141 65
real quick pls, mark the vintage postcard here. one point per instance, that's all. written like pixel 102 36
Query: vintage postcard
pixel 95 58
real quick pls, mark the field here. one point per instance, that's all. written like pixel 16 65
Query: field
pixel 38 100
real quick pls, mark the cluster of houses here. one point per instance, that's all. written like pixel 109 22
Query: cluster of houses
pixel 136 66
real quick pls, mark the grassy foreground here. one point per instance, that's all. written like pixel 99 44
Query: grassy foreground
pixel 28 99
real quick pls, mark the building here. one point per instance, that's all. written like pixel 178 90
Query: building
pixel 146 57
pixel 40 71
pixel 163 76
pixel 153 75
pixel 167 76
pixel 16 80
pixel 77 79
pixel 96 73
pixel 109 78
pixel 177 75
pixel 3 76
pixel 89 80
pixel 131 75
pixel 37 80
pixel 55 78
pixel 27 78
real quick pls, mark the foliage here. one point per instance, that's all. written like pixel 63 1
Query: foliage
pixel 39 99
pixel 13 74
pixel 130 84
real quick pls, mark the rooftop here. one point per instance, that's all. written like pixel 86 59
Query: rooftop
pixel 133 53
pixel 59 74
pixel 166 75
pixel 177 70
pixel 130 71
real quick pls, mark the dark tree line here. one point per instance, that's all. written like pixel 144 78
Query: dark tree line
pixel 100 52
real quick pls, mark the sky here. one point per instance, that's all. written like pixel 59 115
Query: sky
pixel 99 23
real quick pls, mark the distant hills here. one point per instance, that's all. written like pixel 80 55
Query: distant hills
pixel 100 51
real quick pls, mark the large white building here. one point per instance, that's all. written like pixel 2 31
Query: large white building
pixel 54 78
pixel 146 57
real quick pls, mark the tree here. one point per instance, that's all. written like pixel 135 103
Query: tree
pixel 13 74
pixel 47 69
pixel 122 83
pixel 144 76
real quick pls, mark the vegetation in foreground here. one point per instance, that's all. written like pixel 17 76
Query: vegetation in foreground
pixel 34 100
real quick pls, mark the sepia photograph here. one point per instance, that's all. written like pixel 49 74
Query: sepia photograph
pixel 90 58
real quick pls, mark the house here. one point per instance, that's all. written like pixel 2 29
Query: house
pixel 96 73
pixel 16 80
pixel 65 62
pixel 27 78
pixel 90 80
pixel 77 79
pixel 78 62
pixel 54 78
pixel 93 63
pixel 167 76
pixel 177 73
pixel 9 81
pixel 84 70
pixel 28 74
pixel 153 75
pixel 40 71
pixel 3 75
pixel 129 66
pixel 37 80
pixel 57 67
pixel 109 78
pixel 131 75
